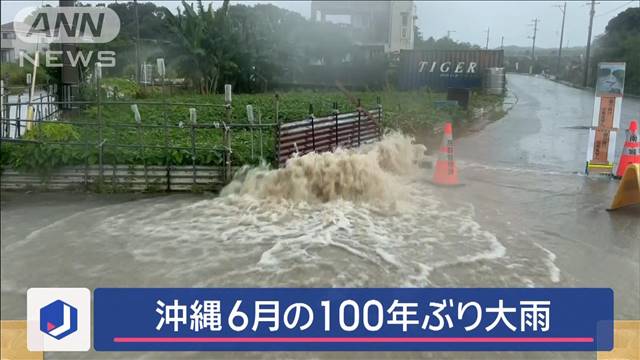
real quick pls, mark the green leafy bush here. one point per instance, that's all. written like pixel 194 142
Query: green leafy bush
pixel 47 151
pixel 120 88
pixel 413 112
pixel 15 76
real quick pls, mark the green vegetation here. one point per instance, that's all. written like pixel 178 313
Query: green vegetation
pixel 621 42
pixel 413 112
pixel 255 48
pixel 16 76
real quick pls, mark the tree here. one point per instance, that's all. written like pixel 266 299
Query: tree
pixel 250 47
pixel 444 43
pixel 621 42
pixel 203 43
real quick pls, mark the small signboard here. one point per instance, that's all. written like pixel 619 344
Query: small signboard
pixel 605 123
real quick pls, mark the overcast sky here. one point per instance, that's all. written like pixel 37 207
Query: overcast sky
pixel 469 19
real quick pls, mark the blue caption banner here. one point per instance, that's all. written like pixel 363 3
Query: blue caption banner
pixel 348 319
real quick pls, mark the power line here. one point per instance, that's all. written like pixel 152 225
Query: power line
pixel 616 9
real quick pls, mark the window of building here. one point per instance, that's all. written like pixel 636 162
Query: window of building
pixel 404 32
pixel 8 35
pixel 405 19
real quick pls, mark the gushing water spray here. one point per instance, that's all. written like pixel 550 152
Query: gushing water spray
pixel 370 173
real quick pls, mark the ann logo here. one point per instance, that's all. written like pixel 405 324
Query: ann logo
pixel 79 24
pixel 42 24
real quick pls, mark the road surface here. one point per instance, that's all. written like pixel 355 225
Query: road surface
pixel 526 217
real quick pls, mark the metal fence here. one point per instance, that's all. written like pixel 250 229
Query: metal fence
pixel 329 132
pixel 116 153
pixel 137 153
pixel 16 113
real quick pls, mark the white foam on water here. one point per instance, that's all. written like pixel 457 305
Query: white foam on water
pixel 350 218
pixel 549 261
pixel 464 164
pixel 363 217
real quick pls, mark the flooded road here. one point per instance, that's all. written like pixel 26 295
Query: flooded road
pixel 526 218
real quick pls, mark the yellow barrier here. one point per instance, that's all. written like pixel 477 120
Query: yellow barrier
pixel 626 341
pixel 14 341
pixel 629 190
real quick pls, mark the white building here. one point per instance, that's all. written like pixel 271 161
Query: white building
pixel 378 25
pixel 11 45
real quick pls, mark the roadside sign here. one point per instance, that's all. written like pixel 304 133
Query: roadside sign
pixel 605 123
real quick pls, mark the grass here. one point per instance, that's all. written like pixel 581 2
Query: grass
pixel 410 111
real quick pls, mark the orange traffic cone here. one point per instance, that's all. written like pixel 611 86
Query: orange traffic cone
pixel 445 170
pixel 631 150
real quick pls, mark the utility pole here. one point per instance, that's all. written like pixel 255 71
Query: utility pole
pixel 586 60
pixel 564 12
pixel 69 75
pixel 487 46
pixel 449 33
pixel 502 42
pixel 135 4
pixel 535 32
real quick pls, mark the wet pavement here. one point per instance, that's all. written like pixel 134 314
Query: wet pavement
pixel 526 217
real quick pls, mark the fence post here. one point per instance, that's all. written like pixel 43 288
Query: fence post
pixel 313 127
pixel 379 117
pixel 277 137
pixel 40 109
pixel 251 120
pixel 49 100
pixel 100 161
pixel 138 120
pixel 227 131
pixel 227 101
pixel 193 116
pixel 167 160
pixel 98 74
pixel 359 118
pixel 2 108
pixel 260 132
pixel 227 153
pixel 335 114
pixel 18 116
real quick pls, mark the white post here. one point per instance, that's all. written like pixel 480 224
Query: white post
pixel 251 120
pixel 193 115
pixel 250 114
pixel 30 111
pixel 136 113
pixel 160 66
pixel 227 94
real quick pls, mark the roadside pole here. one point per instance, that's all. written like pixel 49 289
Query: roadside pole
pixel 585 79
pixel 564 13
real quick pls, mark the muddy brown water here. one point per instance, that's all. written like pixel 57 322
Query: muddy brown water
pixel 526 217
